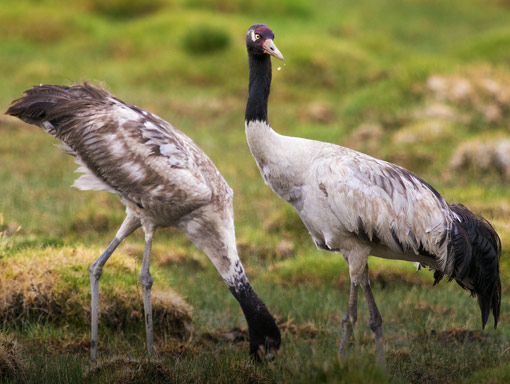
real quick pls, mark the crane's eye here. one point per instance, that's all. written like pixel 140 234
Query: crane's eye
pixel 257 36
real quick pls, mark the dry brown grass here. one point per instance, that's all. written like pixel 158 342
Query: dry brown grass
pixel 8 229
pixel 460 336
pixel 129 370
pixel 482 90
pixel 303 331
pixel 483 158
pixel 424 131
pixel 11 362
pixel 53 286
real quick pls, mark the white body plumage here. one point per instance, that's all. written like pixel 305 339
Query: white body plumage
pixel 360 206
pixel 347 199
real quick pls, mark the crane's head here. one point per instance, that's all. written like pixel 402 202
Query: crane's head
pixel 260 41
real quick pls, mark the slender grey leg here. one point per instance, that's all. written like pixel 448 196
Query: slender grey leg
pixel 348 321
pixel 96 269
pixel 146 281
pixel 375 319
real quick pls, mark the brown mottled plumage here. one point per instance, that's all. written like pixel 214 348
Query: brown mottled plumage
pixel 162 177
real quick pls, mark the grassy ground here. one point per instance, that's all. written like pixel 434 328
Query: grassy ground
pixel 418 83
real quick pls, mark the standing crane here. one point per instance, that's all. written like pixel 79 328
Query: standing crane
pixel 359 206
pixel 161 176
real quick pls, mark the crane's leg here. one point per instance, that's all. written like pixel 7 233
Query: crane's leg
pixel 375 317
pixel 96 270
pixel 146 281
pixel 348 321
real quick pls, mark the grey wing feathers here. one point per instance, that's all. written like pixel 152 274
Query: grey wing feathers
pixel 390 205
pixel 120 148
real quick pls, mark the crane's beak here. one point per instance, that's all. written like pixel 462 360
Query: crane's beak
pixel 271 49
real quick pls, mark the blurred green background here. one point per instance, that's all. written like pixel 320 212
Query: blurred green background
pixel 424 84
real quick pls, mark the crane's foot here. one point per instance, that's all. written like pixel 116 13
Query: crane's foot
pixel 379 344
pixel 346 342
pixel 375 324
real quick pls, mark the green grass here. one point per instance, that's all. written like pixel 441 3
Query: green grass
pixel 348 65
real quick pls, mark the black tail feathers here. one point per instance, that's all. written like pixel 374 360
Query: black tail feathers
pixel 52 103
pixel 477 249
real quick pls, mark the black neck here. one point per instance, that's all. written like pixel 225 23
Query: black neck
pixel 259 86
pixel 261 324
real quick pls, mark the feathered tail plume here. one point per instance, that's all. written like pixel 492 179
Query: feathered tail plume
pixel 52 106
pixel 477 249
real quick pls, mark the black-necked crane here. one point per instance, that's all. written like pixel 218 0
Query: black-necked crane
pixel 161 176
pixel 359 206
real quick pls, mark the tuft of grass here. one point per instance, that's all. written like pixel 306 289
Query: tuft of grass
pixel 11 362
pixel 486 159
pixel 128 370
pixel 494 375
pixel 52 285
